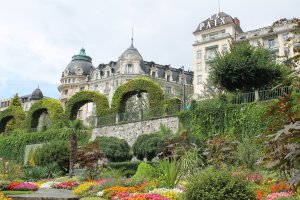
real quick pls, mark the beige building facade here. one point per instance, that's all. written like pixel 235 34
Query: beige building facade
pixel 81 74
pixel 216 33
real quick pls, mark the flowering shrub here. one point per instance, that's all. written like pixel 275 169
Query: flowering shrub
pixel 269 187
pixel 48 184
pixel 22 186
pixel 172 194
pixel 3 185
pixel 256 178
pixel 277 195
pixel 2 197
pixel 83 188
pixel 127 196
pixel 65 185
pixel 113 191
pixel 40 182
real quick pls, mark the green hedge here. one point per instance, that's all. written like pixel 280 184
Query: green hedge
pixel 129 168
pixel 12 112
pixel 54 109
pixel 12 147
pixel 83 97
pixel 217 116
pixel 131 87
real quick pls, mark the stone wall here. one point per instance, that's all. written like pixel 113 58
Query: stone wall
pixel 131 131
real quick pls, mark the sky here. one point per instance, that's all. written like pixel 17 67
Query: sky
pixel 39 37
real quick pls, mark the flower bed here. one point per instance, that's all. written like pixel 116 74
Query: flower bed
pixel 65 185
pixel 25 186
pixel 2 197
pixel 127 196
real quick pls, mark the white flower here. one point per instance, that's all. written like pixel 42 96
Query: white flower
pixel 100 194
pixel 48 184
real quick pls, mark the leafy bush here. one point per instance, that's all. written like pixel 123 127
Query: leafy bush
pixel 115 149
pixel 147 146
pixel 34 173
pixel 212 184
pixel 128 168
pixel 9 170
pixel 53 152
pixel 144 172
pixel 248 152
pixel 12 147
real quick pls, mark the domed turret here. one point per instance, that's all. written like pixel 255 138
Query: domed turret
pixel 37 94
pixel 81 64
pixel 131 53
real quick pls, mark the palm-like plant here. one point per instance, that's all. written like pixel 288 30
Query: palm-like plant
pixel 75 128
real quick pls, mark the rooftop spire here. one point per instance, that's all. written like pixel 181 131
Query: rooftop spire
pixel 132 37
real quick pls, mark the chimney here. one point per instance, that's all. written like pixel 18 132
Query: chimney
pixel 236 21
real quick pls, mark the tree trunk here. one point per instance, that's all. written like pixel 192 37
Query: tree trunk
pixel 73 148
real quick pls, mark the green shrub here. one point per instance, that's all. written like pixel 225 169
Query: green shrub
pixel 144 172
pixel 34 173
pixel 248 152
pixel 12 147
pixel 170 172
pixel 53 152
pixel 115 149
pixel 128 168
pixel 212 184
pixel 147 146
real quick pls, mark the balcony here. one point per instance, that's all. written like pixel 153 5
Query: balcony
pixel 212 38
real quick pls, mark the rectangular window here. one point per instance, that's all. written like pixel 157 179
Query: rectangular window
pixel 199 79
pixel 129 69
pixel 153 74
pixel 66 92
pixel 224 48
pixel 207 68
pixel 168 78
pixel 107 74
pixel 199 67
pixel 168 89
pixel 285 36
pixel 199 54
pixel 271 43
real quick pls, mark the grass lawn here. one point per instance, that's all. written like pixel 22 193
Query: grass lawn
pixel 10 192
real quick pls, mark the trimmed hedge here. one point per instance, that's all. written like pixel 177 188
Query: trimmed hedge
pixel 83 97
pixel 12 147
pixel 54 109
pixel 12 112
pixel 115 149
pixel 130 88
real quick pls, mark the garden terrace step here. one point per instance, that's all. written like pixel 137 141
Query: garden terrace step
pixel 46 194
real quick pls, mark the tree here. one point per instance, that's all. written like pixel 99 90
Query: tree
pixel 15 101
pixel 245 68
pixel 75 128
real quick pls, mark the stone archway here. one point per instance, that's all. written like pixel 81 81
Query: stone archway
pixel 83 97
pixel 50 106
pixel 133 87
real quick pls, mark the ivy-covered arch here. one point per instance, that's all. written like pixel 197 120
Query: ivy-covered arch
pixel 83 97
pixel 51 106
pixel 12 112
pixel 134 86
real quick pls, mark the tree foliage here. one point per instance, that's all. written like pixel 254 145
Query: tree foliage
pixel 245 68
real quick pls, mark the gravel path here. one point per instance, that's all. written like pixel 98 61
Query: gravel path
pixel 46 194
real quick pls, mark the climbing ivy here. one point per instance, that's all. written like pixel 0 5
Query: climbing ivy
pixel 52 107
pixel 14 113
pixel 133 87
pixel 171 105
pixel 216 116
pixel 83 97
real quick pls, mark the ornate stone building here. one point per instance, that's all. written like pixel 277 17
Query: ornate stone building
pixel 217 32
pixel 80 74
pixel 26 100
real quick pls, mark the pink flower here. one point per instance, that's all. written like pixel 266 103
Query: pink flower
pixel 277 195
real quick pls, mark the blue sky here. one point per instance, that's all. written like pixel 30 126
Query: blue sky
pixel 39 37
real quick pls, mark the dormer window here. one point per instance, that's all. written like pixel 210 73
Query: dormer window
pixel 168 78
pixel 107 74
pixel 129 69
pixel 153 74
